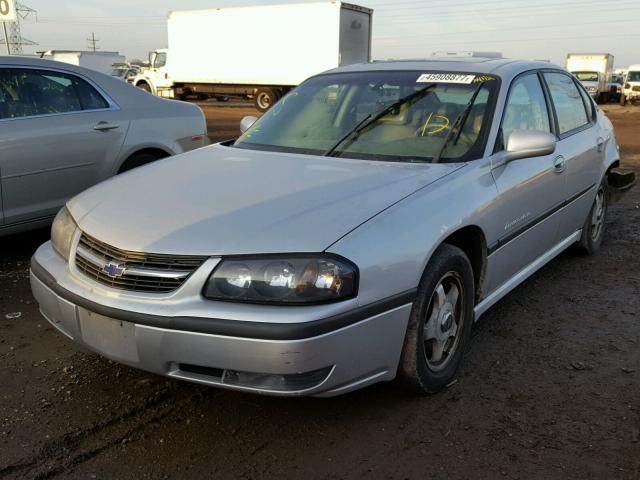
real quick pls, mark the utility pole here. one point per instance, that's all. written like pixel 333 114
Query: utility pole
pixel 13 38
pixel 6 38
pixel 93 42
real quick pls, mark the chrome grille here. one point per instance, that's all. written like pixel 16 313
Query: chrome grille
pixel 135 271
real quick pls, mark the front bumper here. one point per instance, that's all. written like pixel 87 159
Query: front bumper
pixel 321 358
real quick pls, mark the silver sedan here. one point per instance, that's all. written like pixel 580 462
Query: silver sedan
pixel 65 128
pixel 351 235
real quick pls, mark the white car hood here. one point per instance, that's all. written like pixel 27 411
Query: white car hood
pixel 222 201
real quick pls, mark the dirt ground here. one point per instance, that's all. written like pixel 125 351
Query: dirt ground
pixel 549 388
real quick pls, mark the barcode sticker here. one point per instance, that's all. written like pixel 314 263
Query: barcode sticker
pixel 445 78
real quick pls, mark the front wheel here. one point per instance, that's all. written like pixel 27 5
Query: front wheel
pixel 144 86
pixel 440 324
pixel 594 226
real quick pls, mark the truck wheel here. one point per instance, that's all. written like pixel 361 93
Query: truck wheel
pixel 440 323
pixel 144 86
pixel 265 98
pixel 623 100
pixel 594 226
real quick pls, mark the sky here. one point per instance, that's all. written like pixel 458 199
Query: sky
pixel 544 30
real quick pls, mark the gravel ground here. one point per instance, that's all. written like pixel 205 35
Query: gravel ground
pixel 549 388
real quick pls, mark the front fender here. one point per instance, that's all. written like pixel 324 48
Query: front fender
pixel 393 248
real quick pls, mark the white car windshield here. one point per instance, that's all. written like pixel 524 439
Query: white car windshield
pixel 633 77
pixel 443 116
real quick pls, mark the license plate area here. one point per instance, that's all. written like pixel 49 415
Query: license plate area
pixel 114 339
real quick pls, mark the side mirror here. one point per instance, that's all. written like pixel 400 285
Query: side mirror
pixel 246 122
pixel 527 144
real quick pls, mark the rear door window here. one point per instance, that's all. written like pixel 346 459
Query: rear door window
pixel 29 93
pixel 567 101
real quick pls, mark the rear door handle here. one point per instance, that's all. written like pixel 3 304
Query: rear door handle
pixel 600 144
pixel 560 164
pixel 105 126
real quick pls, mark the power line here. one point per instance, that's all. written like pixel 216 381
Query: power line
pixel 506 42
pixel 518 11
pixel 512 29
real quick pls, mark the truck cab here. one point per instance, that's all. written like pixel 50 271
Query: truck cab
pixel 156 79
pixel 631 86
pixel 592 82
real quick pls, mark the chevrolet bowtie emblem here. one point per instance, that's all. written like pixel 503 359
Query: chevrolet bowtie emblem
pixel 114 270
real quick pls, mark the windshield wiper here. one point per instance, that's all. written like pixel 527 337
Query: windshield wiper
pixel 456 129
pixel 371 119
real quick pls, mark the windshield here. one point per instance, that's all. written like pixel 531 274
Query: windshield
pixel 587 76
pixel 118 72
pixel 314 118
pixel 633 77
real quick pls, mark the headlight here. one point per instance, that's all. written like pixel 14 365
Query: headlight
pixel 283 279
pixel 62 232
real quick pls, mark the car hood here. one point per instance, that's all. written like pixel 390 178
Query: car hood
pixel 221 201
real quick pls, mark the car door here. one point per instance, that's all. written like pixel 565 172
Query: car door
pixel 581 146
pixel 58 135
pixel 530 190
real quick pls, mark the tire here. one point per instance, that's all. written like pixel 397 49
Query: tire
pixel 593 229
pixel 139 159
pixel 623 100
pixel 430 356
pixel 265 98
pixel 144 86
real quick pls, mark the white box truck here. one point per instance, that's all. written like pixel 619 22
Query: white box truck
pixel 593 70
pixel 99 61
pixel 631 85
pixel 258 52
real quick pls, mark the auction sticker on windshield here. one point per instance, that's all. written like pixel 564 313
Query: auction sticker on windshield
pixel 445 78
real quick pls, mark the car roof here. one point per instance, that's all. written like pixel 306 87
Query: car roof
pixel 502 67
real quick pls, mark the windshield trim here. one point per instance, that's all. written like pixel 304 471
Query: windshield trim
pixel 473 155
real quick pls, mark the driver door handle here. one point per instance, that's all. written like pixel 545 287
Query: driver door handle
pixel 600 144
pixel 560 164
pixel 105 126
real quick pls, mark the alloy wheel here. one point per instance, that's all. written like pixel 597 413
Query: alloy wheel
pixel 598 215
pixel 444 322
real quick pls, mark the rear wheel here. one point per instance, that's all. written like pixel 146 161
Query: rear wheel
pixel 265 98
pixel 440 324
pixel 594 226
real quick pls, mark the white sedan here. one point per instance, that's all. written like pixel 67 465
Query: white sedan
pixel 64 128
